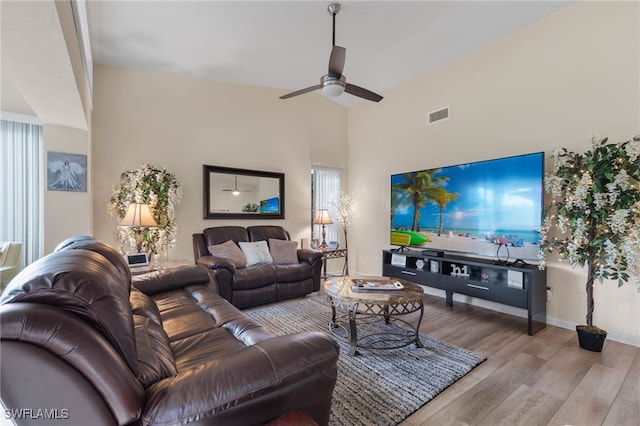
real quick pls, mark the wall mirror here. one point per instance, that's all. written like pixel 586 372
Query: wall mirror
pixel 242 194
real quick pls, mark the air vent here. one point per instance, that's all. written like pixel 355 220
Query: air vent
pixel 439 115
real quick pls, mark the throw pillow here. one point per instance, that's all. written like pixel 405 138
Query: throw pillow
pixel 229 250
pixel 256 252
pixel 283 252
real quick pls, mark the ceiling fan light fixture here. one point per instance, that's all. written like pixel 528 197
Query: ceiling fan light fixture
pixel 332 87
pixel 332 90
pixel 235 192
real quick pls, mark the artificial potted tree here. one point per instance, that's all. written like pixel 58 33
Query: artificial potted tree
pixel 594 218
pixel 162 191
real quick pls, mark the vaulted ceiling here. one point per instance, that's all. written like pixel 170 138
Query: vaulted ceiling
pixel 280 44
pixel 286 44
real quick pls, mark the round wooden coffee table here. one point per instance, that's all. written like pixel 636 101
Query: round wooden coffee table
pixel 377 313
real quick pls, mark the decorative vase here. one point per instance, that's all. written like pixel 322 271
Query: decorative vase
pixel 589 340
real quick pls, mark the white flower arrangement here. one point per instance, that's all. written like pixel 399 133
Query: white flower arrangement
pixel 346 213
pixel 161 190
pixel 345 210
pixel 595 212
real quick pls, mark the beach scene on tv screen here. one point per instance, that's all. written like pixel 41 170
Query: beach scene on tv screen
pixel 477 208
pixel 270 205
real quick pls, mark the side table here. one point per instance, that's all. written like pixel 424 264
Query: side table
pixel 329 253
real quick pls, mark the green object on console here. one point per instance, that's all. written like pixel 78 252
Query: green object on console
pixel 416 238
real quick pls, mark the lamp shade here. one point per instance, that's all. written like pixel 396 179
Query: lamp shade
pixel 322 217
pixel 138 215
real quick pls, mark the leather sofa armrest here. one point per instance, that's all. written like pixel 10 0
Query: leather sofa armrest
pixel 213 262
pixel 253 386
pixel 310 256
pixel 170 279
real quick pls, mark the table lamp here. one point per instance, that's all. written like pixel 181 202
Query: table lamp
pixel 323 218
pixel 138 216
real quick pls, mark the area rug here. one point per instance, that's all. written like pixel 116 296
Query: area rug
pixel 380 387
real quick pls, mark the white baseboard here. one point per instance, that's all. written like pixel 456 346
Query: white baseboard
pixel 617 337
pixel 522 313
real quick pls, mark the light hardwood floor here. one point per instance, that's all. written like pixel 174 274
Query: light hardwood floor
pixel 545 379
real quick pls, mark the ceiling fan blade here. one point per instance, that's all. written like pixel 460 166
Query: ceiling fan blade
pixel 362 93
pixel 336 61
pixel 300 92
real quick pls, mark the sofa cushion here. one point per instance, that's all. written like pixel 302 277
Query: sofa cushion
pixel 220 234
pixel 256 252
pixel 141 304
pixel 181 316
pixel 229 250
pixel 293 273
pixel 193 351
pixel 232 334
pixel 155 357
pixel 283 252
pixel 264 232
pixel 254 277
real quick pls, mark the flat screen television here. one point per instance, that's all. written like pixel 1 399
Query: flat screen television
pixel 486 208
pixel 270 205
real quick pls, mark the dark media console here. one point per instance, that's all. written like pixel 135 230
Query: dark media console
pixel 522 286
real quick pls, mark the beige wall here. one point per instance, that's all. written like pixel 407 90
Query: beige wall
pixel 182 123
pixel 65 213
pixel 546 86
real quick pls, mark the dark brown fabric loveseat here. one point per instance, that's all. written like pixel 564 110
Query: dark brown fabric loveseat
pixel 84 344
pixel 262 283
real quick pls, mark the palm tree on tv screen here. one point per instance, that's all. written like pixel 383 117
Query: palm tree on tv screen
pixel 441 197
pixel 419 188
pixel 398 199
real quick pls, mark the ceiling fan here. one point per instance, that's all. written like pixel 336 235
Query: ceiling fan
pixel 235 190
pixel 334 83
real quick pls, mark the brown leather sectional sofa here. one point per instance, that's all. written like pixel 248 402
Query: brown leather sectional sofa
pixel 84 342
pixel 257 284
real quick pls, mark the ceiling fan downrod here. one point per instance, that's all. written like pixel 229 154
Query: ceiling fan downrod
pixel 333 10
